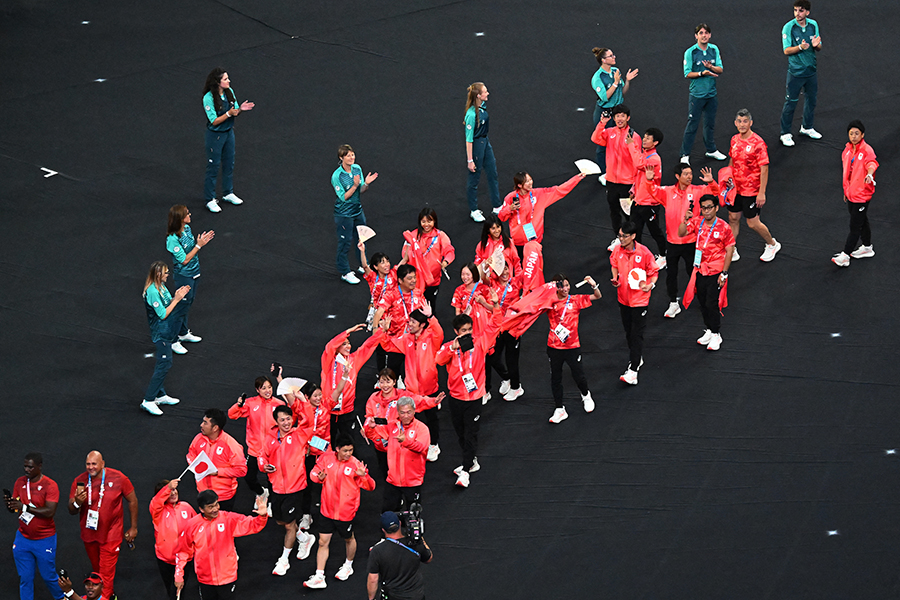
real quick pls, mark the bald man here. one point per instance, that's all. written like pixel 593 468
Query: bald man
pixel 96 495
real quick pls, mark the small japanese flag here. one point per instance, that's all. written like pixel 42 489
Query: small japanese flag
pixel 202 466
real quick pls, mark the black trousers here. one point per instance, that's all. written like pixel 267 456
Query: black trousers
pixel 431 293
pixel 218 592
pixel 252 476
pixel 395 361
pixel 306 495
pixel 492 362
pixel 859 226
pixel 571 357
pixel 509 368
pixel 708 297
pixel 228 504
pixel 167 572
pixel 431 420
pixel 649 215
pixel 634 318
pixel 674 253
pixel 466 415
pixel 615 191
pixel 399 498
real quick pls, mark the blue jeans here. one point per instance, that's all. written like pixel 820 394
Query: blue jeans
pixel 182 308
pixel 347 237
pixel 219 151
pixel 29 554
pixel 697 107
pixel 601 150
pixel 810 86
pixel 163 364
pixel 483 155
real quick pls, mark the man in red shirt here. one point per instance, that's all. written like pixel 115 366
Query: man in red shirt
pixel 563 345
pixel 646 206
pixel 464 359
pixel 859 166
pixel 715 245
pixel 208 538
pixel 96 495
pixel 620 169
pixel 258 412
pixel 634 273
pixel 677 199
pixel 224 451
pixel 342 476
pixel 407 449
pixel 34 498
pixel 169 516
pixel 750 169
pixel 283 459
pixel 397 302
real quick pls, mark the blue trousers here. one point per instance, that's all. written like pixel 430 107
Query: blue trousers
pixel 697 107
pixel 29 554
pixel 601 150
pixel 182 308
pixel 219 151
pixel 347 238
pixel 163 364
pixel 483 155
pixel 810 86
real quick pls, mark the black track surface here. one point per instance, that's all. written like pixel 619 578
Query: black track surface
pixel 719 476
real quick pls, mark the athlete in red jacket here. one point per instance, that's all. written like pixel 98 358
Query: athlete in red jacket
pixel 258 412
pixel 283 460
pixel 169 516
pixel 397 304
pixel 859 166
pixel 408 442
pixel 524 207
pixel 208 538
pixel 342 476
pixel 645 209
pixel 224 451
pixel 429 250
pixel 620 170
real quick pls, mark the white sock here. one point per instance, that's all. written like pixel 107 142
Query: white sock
pixel 348 563
pixel 320 573
pixel 286 553
pixel 302 537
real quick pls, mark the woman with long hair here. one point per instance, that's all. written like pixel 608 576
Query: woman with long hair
pixel 430 251
pixel 160 304
pixel 221 108
pixel 479 153
pixel 181 244
pixel 493 237
pixel 524 207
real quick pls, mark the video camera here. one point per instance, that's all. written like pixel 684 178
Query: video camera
pixel 411 522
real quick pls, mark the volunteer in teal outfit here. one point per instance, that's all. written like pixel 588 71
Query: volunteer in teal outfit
pixel 348 183
pixel 607 83
pixel 479 153
pixel 186 265
pixel 800 40
pixel 221 108
pixel 702 65
pixel 160 304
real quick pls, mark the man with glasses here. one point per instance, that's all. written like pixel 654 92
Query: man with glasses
pixel 712 257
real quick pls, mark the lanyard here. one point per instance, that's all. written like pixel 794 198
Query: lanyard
pixel 563 315
pixel 404 545
pixel 505 291
pixel 375 287
pixel 28 487
pixel 315 419
pixel 459 360
pixel 708 235
pixel 531 214
pixel 347 369
pixel 102 489
pixel 433 240
pixel 472 295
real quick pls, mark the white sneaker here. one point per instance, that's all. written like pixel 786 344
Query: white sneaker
pixel 462 479
pixel 213 206
pixel 350 277
pixel 264 495
pixel 613 244
pixel 477 216
pixel 166 399
pixel 151 408
pixel 189 337
pixel 315 582
pixel 674 309
pixel 177 348
pixel 704 339
pixel 486 398
pixel 559 415
pixel 863 252
pixel 841 260
pixel 433 452
pixel 496 210
pixel 588 402
pixel 505 386
pixel 475 467
pixel 787 140
pixel 304 547
pixel 811 133
pixel 360 270
pixel 716 155
pixel 344 572
pixel 281 567
pixel 232 199
pixel 715 341
pixel 306 522
pixel 770 251
pixel 660 262
pixel 685 160
pixel 602 179
pixel 629 377
pixel 400 384
pixel 735 256
pixel 513 394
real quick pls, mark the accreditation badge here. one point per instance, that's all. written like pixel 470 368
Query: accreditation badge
pixel 93 519
pixel 469 382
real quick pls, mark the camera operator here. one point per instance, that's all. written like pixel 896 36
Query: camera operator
pixel 395 562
